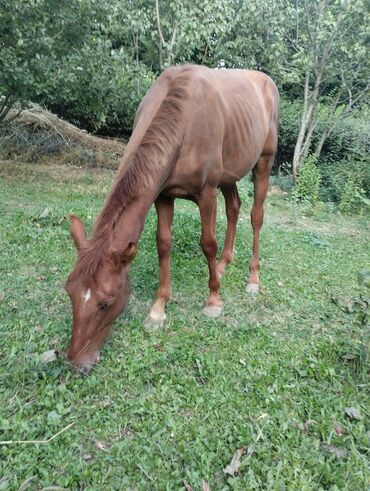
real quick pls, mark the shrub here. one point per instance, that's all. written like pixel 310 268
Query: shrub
pixel 308 183
pixel 98 92
pixel 349 139
pixel 353 198
pixel 342 176
pixel 284 182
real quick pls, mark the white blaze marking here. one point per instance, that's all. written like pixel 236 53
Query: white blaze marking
pixel 87 295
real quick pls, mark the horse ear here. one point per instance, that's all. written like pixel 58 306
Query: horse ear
pixel 125 257
pixel 78 232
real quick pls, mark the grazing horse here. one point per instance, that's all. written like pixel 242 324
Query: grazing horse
pixel 196 130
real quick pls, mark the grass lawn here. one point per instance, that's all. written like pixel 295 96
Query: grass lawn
pixel 274 374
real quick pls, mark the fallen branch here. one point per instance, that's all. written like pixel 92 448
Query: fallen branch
pixel 13 442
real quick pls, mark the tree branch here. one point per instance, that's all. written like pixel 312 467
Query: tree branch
pixel 170 49
pixel 161 38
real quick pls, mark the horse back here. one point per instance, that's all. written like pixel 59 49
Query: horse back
pixel 228 117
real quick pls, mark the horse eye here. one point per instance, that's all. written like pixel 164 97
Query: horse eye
pixel 103 306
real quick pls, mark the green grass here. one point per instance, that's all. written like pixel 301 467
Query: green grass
pixel 273 373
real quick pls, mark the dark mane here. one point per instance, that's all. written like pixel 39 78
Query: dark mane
pixel 154 158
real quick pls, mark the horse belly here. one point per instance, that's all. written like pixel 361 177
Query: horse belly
pixel 244 134
pixel 240 155
pixel 190 176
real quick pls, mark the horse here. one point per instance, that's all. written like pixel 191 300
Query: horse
pixel 197 130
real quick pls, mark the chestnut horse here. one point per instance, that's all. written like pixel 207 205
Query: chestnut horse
pixel 196 130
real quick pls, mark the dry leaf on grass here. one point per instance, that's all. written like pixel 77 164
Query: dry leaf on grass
pixel 308 423
pixel 54 488
pixel 54 340
pixel 337 451
pixel 49 356
pixel 339 430
pixel 205 486
pixel 102 446
pixel 234 466
pixel 187 485
pixel 45 213
pixel 353 413
pixel 26 484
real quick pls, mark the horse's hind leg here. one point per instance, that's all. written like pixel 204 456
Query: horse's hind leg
pixel 164 207
pixel 232 203
pixel 207 204
pixel 260 173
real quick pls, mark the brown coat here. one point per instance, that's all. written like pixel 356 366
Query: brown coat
pixel 197 130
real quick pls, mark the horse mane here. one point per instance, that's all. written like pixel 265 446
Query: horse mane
pixel 155 156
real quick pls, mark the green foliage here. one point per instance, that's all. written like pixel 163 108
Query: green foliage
pixel 344 163
pixel 353 198
pixel 348 177
pixel 308 183
pixel 349 139
pixel 102 91
pixel 289 119
pixel 35 37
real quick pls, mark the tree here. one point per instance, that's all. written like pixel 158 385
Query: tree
pixel 62 54
pixel 92 60
pixel 314 49
pixel 189 31
pixel 329 49
pixel 34 36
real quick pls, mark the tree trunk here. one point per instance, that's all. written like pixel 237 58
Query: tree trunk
pixel 6 105
pixel 311 128
pixel 161 39
pixel 302 130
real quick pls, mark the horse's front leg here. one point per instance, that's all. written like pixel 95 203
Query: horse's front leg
pixel 207 203
pixel 164 207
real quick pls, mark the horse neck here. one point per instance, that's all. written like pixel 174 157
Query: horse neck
pixel 127 221
pixel 131 222
pixel 150 157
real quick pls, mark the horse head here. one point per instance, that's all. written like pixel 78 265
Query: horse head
pixel 98 296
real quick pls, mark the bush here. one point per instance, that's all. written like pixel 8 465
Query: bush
pixel 308 183
pixel 349 139
pixel 99 89
pixel 353 198
pixel 345 177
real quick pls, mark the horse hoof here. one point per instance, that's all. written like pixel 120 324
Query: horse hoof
pixel 252 288
pixel 212 310
pixel 154 322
